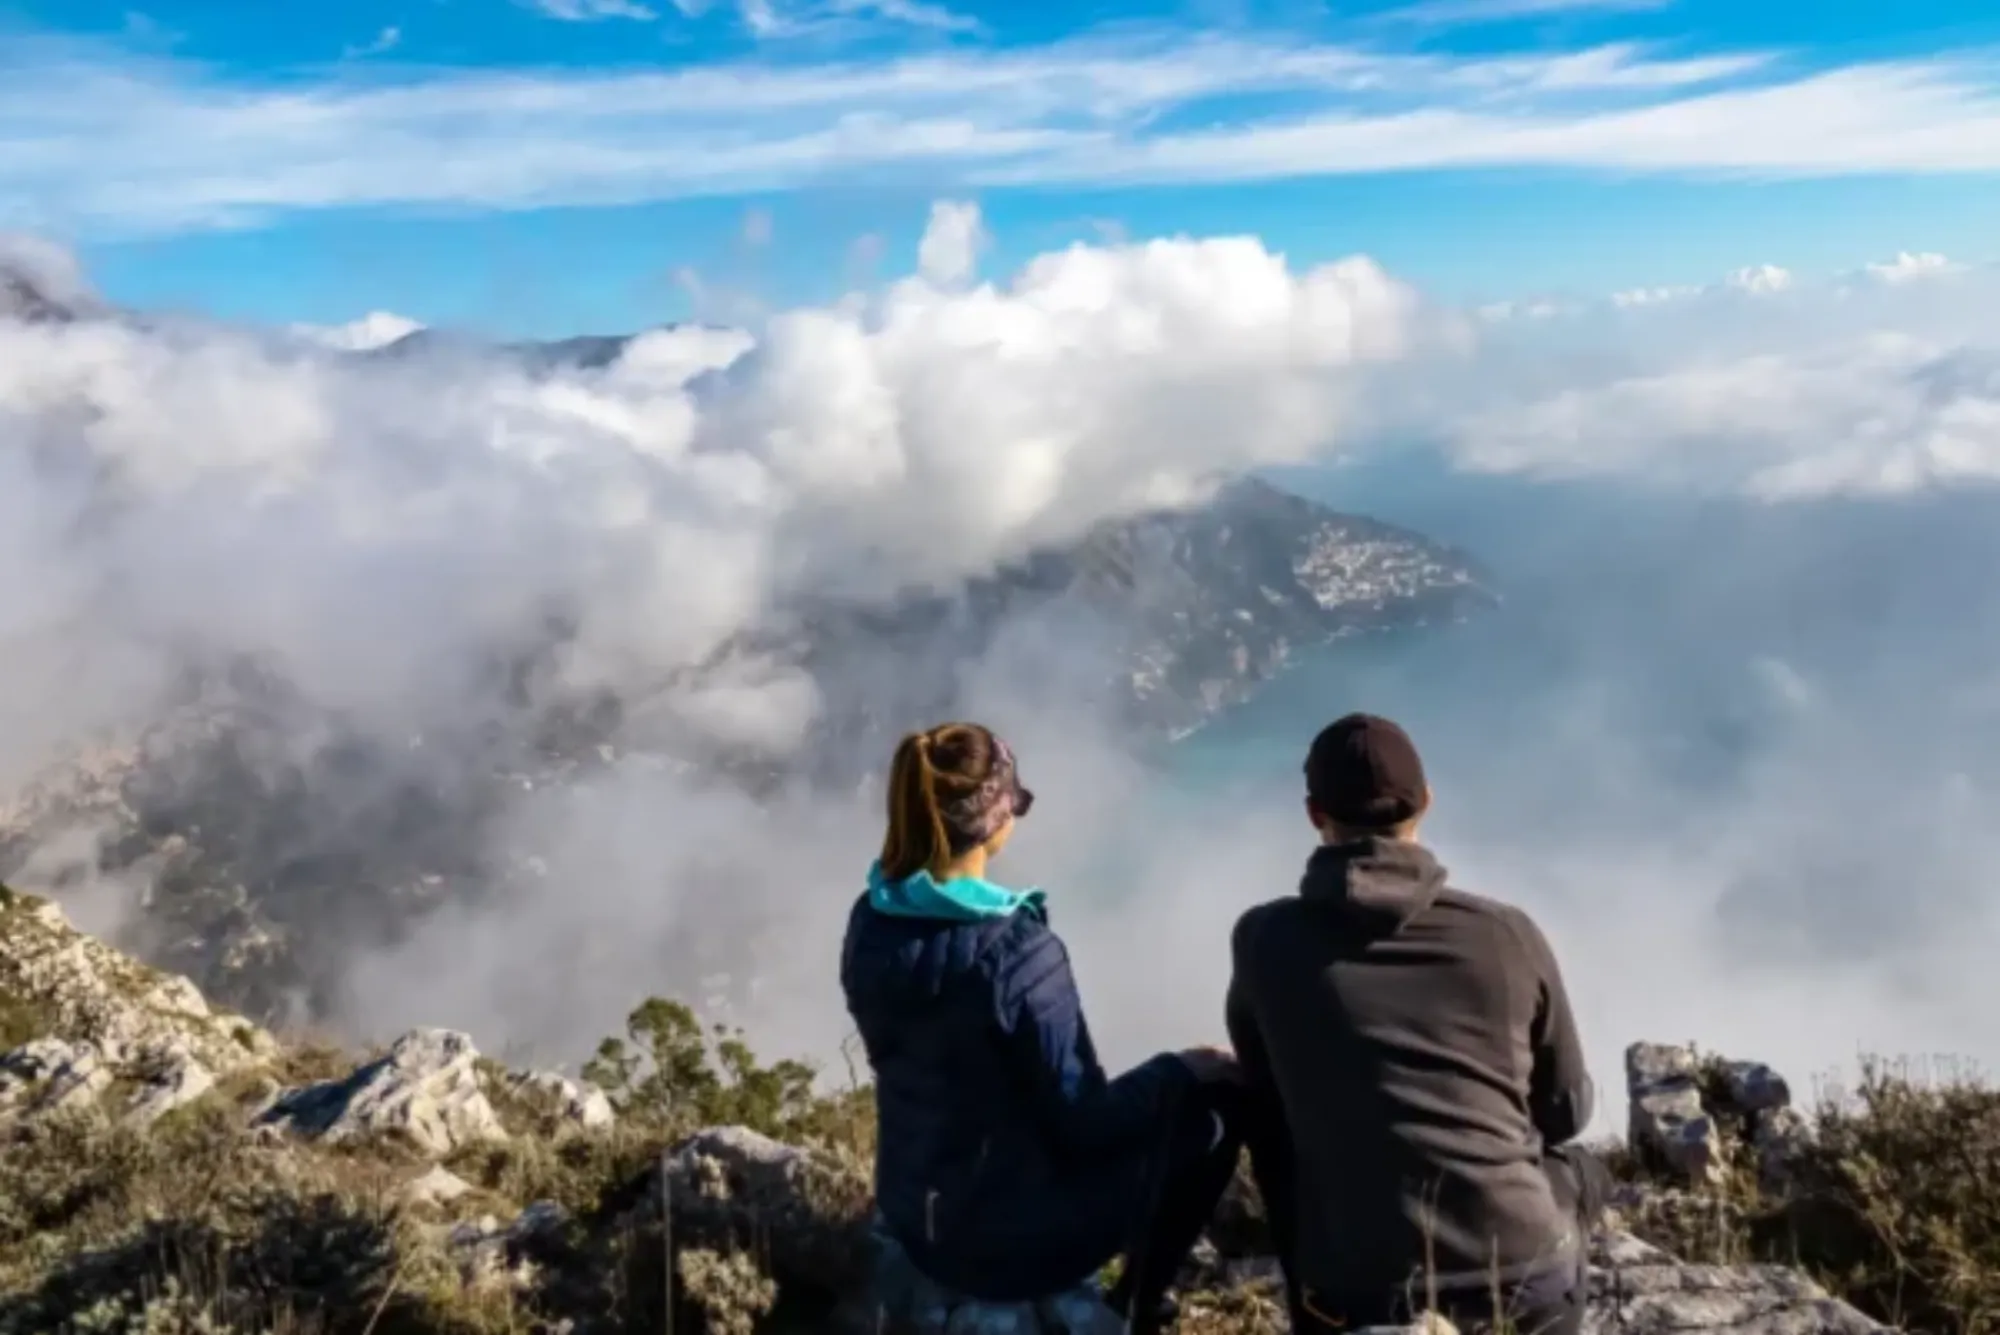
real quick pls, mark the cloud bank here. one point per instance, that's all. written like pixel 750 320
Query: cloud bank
pixel 1737 709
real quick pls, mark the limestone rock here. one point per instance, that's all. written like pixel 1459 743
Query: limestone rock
pixel 426 1090
pixel 726 1161
pixel 1740 1300
pixel 1667 1119
pixel 439 1186
pixel 169 1077
pixel 583 1106
pixel 492 1253
pixel 1777 1135
pixel 49 1075
pixel 1753 1087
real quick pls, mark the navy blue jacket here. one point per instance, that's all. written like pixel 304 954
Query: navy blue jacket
pixel 1006 1163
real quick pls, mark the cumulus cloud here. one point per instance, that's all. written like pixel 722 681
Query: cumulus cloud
pixel 382 533
pixel 1907 266
pixel 101 142
pixel 1752 731
pixel 377 329
pixel 1759 279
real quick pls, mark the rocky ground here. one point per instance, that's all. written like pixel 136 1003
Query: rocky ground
pixel 166 1167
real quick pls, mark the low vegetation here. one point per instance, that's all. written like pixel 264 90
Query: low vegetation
pixel 202 1224
pixel 1893 1205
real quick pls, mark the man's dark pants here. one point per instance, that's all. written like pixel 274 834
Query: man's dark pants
pixel 1547 1304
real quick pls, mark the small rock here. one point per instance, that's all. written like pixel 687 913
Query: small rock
pixel 539 1217
pixel 584 1105
pixel 1778 1136
pixel 1753 1087
pixel 426 1090
pixel 437 1187
pixel 725 1161
pixel 173 1079
pixel 1616 1249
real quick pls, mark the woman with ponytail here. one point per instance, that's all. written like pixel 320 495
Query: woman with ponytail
pixel 1009 1166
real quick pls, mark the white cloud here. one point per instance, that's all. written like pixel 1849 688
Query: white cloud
pixel 1907 266
pixel 593 11
pixel 386 40
pixel 1652 296
pixel 948 252
pixel 377 329
pixel 915 13
pixel 926 434
pixel 93 145
pixel 757 227
pixel 1763 385
pixel 1444 13
pixel 1760 279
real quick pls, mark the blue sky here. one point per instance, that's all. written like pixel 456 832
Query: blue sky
pixel 555 166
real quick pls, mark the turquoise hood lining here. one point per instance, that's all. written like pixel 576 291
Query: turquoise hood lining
pixel 959 899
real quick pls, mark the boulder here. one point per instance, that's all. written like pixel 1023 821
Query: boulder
pixel 1667 1121
pixel 49 1075
pixel 138 1086
pixel 426 1091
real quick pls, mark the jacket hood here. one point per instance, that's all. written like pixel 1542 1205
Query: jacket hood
pixel 1377 884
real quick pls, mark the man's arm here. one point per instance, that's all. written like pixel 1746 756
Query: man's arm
pixel 1266 1135
pixel 1560 1095
pixel 1042 1016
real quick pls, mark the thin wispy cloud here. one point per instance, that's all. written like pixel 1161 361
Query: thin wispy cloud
pixel 384 41
pixel 593 11
pixel 94 143
pixel 915 13
pixel 1465 13
pixel 830 20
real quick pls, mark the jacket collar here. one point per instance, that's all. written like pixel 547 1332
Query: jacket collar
pixel 1378 883
pixel 959 899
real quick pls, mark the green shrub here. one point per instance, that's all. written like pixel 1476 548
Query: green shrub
pixel 674 1073
pixel 1894 1205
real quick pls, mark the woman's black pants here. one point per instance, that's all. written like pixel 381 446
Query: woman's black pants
pixel 1200 1146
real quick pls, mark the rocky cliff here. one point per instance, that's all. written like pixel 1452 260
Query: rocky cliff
pixel 165 1167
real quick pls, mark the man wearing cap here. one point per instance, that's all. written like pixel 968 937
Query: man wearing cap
pixel 1418 1071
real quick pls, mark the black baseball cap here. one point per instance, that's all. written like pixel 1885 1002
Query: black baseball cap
pixel 1364 772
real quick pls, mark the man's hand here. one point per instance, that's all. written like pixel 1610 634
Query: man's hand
pixel 1212 1066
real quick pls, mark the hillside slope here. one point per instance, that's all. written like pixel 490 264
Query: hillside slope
pixel 426 1189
